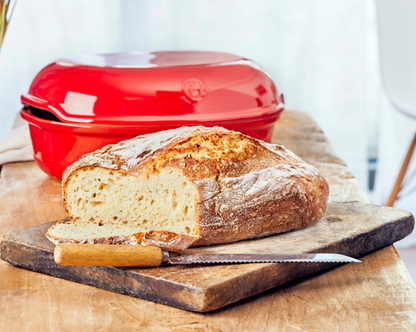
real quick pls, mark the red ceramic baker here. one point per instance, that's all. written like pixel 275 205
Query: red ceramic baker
pixel 79 104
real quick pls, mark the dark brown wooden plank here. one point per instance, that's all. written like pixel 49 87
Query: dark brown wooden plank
pixel 352 228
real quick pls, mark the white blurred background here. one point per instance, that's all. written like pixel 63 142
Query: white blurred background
pixel 322 54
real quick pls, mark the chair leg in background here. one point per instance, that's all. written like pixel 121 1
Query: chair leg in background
pixel 372 168
pixel 400 177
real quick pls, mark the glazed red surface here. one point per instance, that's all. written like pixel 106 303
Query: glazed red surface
pixel 56 145
pixel 102 99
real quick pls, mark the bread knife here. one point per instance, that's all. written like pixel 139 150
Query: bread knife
pixel 151 256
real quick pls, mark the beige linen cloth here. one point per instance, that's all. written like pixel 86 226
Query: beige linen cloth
pixel 17 146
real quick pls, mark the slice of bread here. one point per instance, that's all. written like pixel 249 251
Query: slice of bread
pixel 65 231
pixel 186 187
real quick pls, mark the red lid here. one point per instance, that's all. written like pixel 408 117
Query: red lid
pixel 172 88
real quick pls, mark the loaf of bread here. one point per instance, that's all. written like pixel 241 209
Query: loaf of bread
pixel 190 186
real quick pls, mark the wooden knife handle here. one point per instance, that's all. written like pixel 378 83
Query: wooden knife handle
pixel 108 255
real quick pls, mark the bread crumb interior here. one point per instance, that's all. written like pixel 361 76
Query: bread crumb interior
pixel 89 230
pixel 165 201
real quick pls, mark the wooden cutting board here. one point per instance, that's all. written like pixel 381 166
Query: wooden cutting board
pixel 349 227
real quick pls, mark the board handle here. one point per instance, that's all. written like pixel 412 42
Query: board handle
pixel 108 255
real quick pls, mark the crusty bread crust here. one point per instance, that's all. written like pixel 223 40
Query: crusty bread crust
pixel 247 188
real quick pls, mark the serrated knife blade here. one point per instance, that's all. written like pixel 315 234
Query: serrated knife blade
pixel 148 256
pixel 202 258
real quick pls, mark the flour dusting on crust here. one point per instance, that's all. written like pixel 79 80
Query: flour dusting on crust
pixel 130 153
pixel 241 187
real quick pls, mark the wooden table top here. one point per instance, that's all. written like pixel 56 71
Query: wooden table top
pixel 376 295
